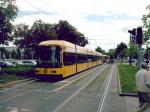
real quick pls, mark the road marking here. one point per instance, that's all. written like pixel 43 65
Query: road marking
pixel 42 86
pixel 37 90
pixel 78 91
pixel 11 108
pixel 14 111
pixel 26 110
pixel 20 94
pixel 105 92
pixel 69 82
pixel 15 96
pixel 18 85
pixel 7 89
pixel 63 81
pixel 78 78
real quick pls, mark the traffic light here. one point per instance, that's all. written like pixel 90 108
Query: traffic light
pixel 132 36
pixel 132 32
pixel 136 35
pixel 139 35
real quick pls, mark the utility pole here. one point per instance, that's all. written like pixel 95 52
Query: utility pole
pixel 139 56
pixel 148 48
pixel 132 41
pixel 139 42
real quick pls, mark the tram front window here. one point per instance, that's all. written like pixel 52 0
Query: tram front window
pixel 49 56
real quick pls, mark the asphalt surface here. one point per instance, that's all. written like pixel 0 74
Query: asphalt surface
pixel 42 96
pixel 94 90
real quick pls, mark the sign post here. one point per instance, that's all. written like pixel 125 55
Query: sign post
pixel 136 38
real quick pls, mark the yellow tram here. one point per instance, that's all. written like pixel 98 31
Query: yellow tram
pixel 59 59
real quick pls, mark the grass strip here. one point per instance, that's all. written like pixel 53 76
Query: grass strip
pixel 127 78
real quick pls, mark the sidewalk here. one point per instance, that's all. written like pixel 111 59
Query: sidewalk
pixel 114 102
pixel 131 102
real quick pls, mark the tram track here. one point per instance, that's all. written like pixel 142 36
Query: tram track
pixel 91 96
pixel 103 96
pixel 78 78
pixel 65 102
pixel 17 85
pixel 69 81
pixel 25 91
pixel 96 84
pixel 4 89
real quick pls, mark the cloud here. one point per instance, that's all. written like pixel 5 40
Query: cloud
pixel 30 13
pixel 106 21
pixel 94 17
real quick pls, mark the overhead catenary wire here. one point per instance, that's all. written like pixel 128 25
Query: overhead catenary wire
pixel 53 11
pixel 49 7
pixel 39 9
pixel 100 19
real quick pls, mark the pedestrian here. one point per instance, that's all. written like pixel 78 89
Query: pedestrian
pixel 143 87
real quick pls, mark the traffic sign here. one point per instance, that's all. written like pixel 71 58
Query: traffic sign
pixel 132 39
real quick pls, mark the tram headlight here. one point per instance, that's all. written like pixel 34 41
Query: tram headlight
pixel 37 71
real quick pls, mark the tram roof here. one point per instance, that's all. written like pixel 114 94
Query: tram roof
pixel 55 42
pixel 68 45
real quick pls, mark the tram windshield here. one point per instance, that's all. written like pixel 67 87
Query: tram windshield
pixel 49 56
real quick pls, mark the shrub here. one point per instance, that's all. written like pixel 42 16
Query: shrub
pixel 26 71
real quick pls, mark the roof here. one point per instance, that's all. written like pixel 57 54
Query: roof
pixel 70 47
pixel 56 42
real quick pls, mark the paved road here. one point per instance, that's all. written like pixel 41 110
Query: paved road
pixel 94 90
pixel 44 96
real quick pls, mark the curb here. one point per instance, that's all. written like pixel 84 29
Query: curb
pixel 14 82
pixel 119 88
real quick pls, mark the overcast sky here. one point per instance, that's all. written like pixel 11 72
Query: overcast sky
pixel 104 22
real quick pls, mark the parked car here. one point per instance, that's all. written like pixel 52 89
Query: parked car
pixel 16 63
pixel 29 62
pixel 6 64
pixel 146 61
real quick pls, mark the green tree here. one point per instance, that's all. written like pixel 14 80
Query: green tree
pixel 111 53
pixel 66 31
pixel 40 31
pixel 132 51
pixel 29 38
pixel 20 32
pixel 8 12
pixel 121 50
pixel 99 49
pixel 146 25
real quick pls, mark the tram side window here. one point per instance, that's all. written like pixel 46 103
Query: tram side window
pixel 90 58
pixel 81 58
pixel 69 59
pixel 100 57
pixel 93 58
